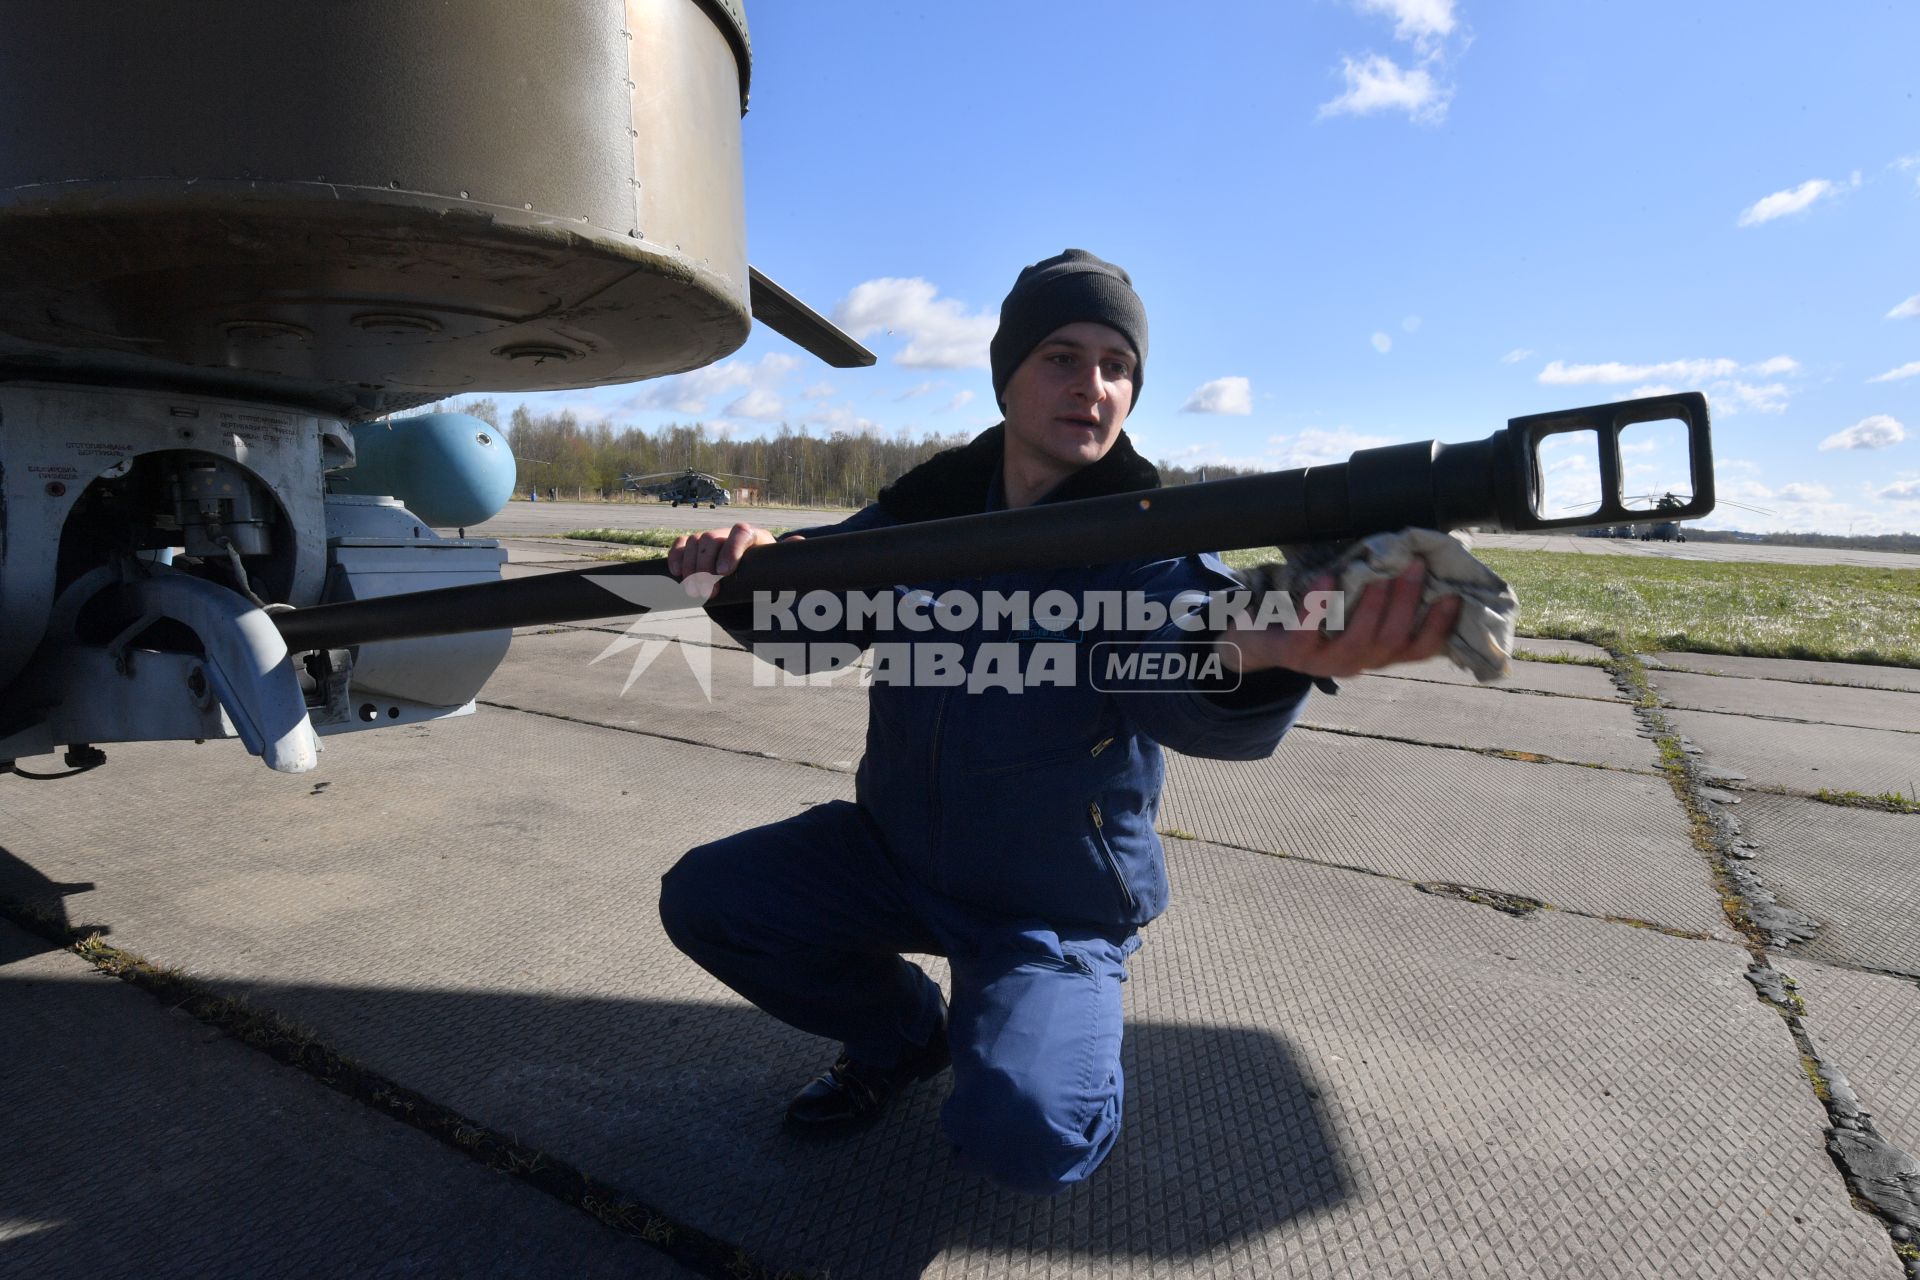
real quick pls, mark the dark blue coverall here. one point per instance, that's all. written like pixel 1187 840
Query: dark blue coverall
pixel 1013 833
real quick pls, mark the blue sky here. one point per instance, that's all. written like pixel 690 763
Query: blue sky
pixel 1358 221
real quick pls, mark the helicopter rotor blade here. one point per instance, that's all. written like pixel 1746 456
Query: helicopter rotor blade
pixel 801 325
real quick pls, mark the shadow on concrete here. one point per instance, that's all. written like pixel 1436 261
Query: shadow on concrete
pixel 22 886
pixel 140 1143
pixel 677 1104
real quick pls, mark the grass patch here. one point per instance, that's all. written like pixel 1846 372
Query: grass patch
pixel 662 538
pixel 647 544
pixel 1826 613
pixel 623 555
pixel 1832 613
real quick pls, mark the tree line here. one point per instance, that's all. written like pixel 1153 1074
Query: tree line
pixel 556 451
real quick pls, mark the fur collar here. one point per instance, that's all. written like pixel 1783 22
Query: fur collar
pixel 957 481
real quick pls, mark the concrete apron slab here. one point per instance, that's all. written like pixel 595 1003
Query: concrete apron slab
pixel 1867 1028
pixel 1854 872
pixel 1892 709
pixel 1577 1072
pixel 1588 840
pixel 1804 758
pixel 1842 673
pixel 1308 1085
pixel 1579 730
pixel 483 852
pixel 580 674
pixel 143 1143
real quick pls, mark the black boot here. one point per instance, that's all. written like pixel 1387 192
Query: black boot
pixel 850 1097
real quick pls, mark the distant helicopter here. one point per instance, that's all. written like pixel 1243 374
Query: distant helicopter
pixel 689 486
pixel 1657 530
pixel 1672 530
pixel 1664 530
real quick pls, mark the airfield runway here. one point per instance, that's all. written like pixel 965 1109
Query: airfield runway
pixel 1455 984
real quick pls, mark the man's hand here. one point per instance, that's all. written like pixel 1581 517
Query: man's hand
pixel 697 559
pixel 1380 632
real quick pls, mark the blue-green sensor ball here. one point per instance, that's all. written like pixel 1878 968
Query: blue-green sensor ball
pixel 449 469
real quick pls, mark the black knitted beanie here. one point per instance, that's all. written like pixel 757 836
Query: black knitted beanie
pixel 1062 290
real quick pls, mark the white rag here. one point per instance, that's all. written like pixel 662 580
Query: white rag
pixel 1482 639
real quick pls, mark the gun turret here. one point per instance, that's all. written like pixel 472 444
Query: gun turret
pixel 1491 484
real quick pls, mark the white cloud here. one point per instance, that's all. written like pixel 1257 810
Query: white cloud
pixel 1877 432
pixel 1907 370
pixel 1565 375
pixel 1907 310
pixel 839 418
pixel 961 400
pixel 1719 378
pixel 818 391
pixel 1382 343
pixel 1804 493
pixel 1639 446
pixel 758 403
pixel 1417 21
pixel 940 332
pixel 1902 491
pixel 1191 451
pixel 921 390
pixel 1411 324
pixel 1379 83
pixel 1782 203
pixel 1733 397
pixel 1317 446
pixel 1516 355
pixel 689 392
pixel 1222 395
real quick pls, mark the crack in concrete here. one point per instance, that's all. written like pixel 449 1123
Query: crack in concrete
pixel 1882 1179
pixel 1779 679
pixel 1841 800
pixel 1496 753
pixel 1498 899
pixel 1761 715
pixel 1494 688
pixel 824 767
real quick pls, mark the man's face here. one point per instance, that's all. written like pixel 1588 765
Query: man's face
pixel 1067 399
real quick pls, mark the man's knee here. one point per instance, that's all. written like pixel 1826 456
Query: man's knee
pixel 693 897
pixel 1029 1138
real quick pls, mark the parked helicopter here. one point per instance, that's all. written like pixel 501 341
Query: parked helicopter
pixel 688 486
pixel 234 237
pixel 1664 530
pixel 1671 530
